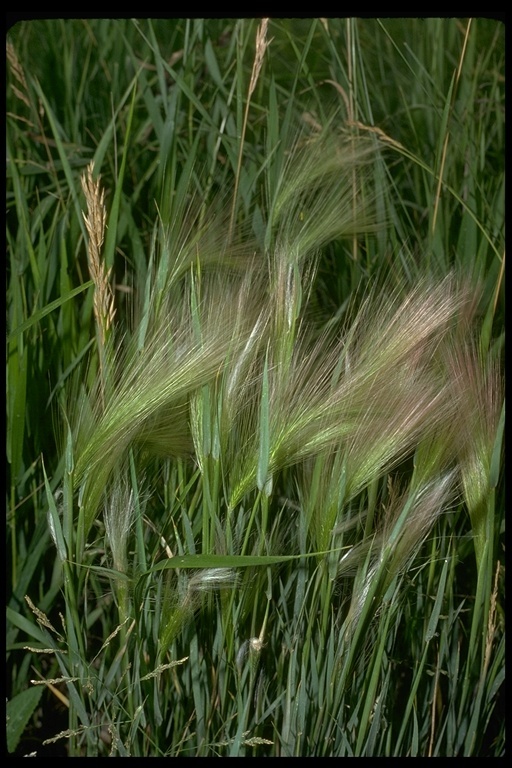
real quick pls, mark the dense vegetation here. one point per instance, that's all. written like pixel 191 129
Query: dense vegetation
pixel 255 405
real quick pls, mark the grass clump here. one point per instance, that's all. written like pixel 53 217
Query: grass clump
pixel 255 495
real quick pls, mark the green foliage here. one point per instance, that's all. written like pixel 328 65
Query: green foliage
pixel 266 516
pixel 19 711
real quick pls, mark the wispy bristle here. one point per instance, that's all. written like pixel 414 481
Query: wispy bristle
pixel 227 367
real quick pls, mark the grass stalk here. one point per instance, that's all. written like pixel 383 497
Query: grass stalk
pixel 261 46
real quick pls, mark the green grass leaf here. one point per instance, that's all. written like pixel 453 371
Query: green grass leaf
pixel 19 711
pixel 434 616
pixel 264 435
pixel 51 307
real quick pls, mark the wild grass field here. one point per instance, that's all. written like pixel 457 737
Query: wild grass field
pixel 255 401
